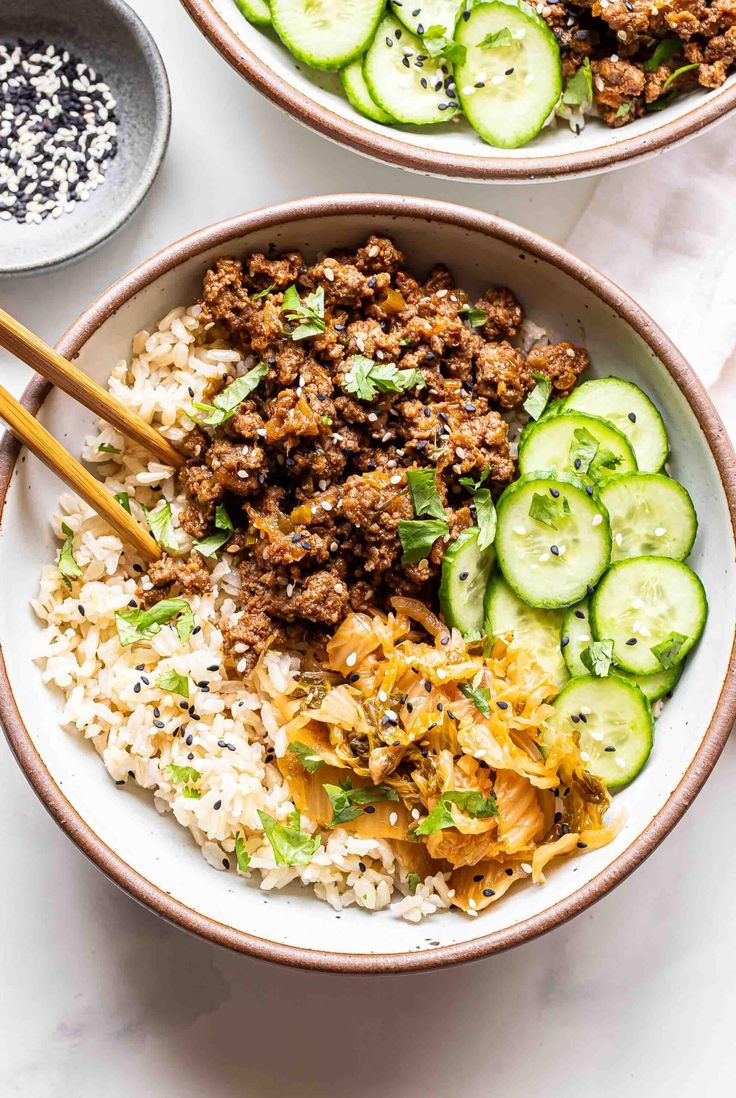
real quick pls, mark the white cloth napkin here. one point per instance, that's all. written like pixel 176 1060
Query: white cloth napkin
pixel 665 230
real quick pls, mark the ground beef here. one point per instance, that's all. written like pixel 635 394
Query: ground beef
pixel 312 469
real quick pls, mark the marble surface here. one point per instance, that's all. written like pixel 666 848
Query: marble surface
pixel 637 996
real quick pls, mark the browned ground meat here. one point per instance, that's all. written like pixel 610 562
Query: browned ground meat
pixel 312 474
pixel 619 38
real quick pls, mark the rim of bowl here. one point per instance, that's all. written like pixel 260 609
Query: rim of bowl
pixel 389 149
pixel 159 143
pixel 714 739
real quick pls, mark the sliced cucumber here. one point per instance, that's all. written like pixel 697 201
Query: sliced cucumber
pixel 644 602
pixel 419 15
pixel 651 515
pixel 255 11
pixel 625 406
pixel 576 635
pixel 411 91
pixel 324 34
pixel 551 564
pixel 536 630
pixel 465 572
pixel 609 713
pixel 508 87
pixel 552 443
pixel 357 92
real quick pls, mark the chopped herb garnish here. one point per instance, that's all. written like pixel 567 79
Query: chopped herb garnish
pixel 668 650
pixel 174 683
pixel 623 110
pixel 471 802
pixel 226 403
pixel 424 494
pixel 241 854
pixel 583 449
pixel 413 881
pixel 347 802
pixel 193 794
pixel 579 88
pixel 222 519
pixel 438 42
pixel 537 400
pixel 366 378
pixel 124 500
pixel 182 775
pixel 474 485
pixel 263 293
pixel 139 625
pixel 418 536
pixel 68 567
pixel 308 314
pixel 548 510
pixel 480 696
pixel 497 39
pixel 162 526
pixel 224 529
pixel 665 49
pixel 290 845
pixel 475 317
pixel 678 72
pixel 604 462
pixel 485 516
pixel 104 448
pixel 307 756
pixel 598 657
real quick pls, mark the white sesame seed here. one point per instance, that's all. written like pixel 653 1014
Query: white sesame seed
pixel 525 867
pixel 597 520
pixel 382 696
pixel 351 660
pixel 393 818
pixel 543 558
pixel 660 532
pixel 520 530
pixel 326 505
pixel 396 479
pixel 618 538
pixel 329 274
pixel 415 813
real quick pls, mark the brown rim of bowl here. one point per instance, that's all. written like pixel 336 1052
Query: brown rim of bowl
pixel 387 207
pixel 384 147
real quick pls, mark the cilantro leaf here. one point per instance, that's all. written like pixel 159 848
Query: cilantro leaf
pixel 417 536
pixel 537 400
pixel 470 801
pixel 480 696
pixel 124 500
pixel 623 110
pixel 241 854
pixel 290 845
pixel 366 378
pixel 474 485
pixel 497 39
pixel 223 532
pixel 174 683
pixel 485 516
pixel 667 651
pixel 222 519
pixel 67 565
pixel 225 404
pixel 424 494
pixel 598 657
pixel 308 314
pixel 182 775
pixel 678 72
pixel 346 802
pixel 604 462
pixel 104 448
pixel 138 625
pixel 475 317
pixel 665 49
pixel 548 510
pixel 583 449
pixel 263 293
pixel 162 526
pixel 579 88
pixel 413 881
pixel 193 794
pixel 307 756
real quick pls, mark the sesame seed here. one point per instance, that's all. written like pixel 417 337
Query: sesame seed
pixel 597 520
pixel 393 819
pixel 351 660
pixel 632 417
pixel 631 641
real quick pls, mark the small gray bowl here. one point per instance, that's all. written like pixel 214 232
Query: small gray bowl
pixel 108 36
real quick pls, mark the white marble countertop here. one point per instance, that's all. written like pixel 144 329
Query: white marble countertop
pixel 99 997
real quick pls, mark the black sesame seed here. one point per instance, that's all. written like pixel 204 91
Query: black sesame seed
pixel 509 872
pixel 554 492
pixel 502 705
pixel 609 748
pixel 217 805
pixel 478 877
pixel 583 718
pixel 632 417
pixel 564 830
pixel 361 867
pixel 140 667
pixel 589 489
pixel 631 641
pixel 137 688
pixel 590 588
pixel 564 641
pixel 463 576
pixel 488 892
pixel 581 846
pixel 578 463
pixel 554 550
pixel 370 809
pixel 428 686
pixel 226 863
pixel 574 718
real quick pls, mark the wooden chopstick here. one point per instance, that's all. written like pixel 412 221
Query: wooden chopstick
pixel 52 453
pixel 65 375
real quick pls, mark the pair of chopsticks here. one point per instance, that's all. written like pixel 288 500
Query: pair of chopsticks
pixel 26 346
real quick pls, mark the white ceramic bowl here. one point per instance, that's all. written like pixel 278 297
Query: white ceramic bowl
pixel 153 858
pixel 455 150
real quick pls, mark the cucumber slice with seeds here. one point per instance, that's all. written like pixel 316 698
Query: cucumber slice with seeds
pixel 508 87
pixel 644 602
pixel 255 11
pixel 550 562
pixel 323 34
pixel 411 91
pixel 651 515
pixel 419 15
pixel 536 630
pixel 465 572
pixel 357 92
pixel 614 722
pixel 552 444
pixel 576 635
pixel 625 406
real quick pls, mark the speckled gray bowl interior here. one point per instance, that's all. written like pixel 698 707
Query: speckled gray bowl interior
pixel 107 35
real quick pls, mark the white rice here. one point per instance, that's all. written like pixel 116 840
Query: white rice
pixel 110 693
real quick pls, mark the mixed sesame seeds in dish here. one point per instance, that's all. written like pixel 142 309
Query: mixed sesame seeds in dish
pixel 509 68
pixel 423 587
